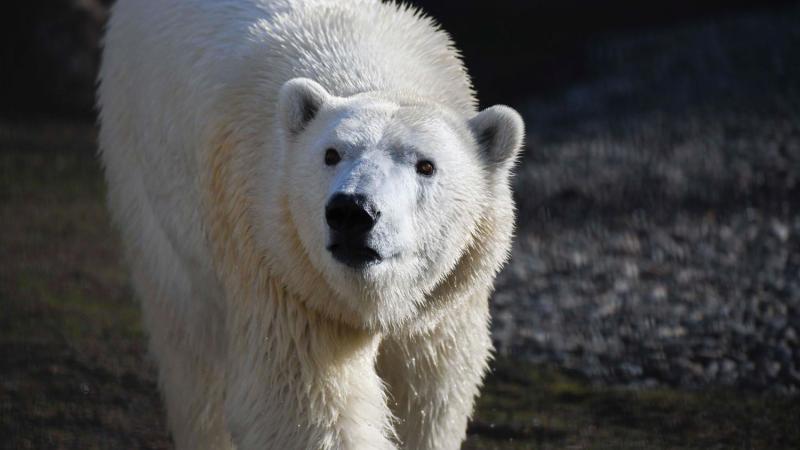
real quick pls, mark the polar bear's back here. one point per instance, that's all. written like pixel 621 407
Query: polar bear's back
pixel 186 58
pixel 354 46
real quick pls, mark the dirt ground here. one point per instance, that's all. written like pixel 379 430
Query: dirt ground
pixel 75 372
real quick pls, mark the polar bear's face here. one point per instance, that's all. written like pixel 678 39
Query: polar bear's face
pixel 386 196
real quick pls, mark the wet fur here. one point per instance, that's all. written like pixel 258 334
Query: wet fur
pixel 254 348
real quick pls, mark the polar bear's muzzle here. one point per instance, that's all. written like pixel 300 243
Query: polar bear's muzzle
pixel 350 218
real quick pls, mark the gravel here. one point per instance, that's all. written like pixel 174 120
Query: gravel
pixel 659 212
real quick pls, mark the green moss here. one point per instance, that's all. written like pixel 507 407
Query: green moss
pixel 71 311
pixel 529 406
pixel 61 273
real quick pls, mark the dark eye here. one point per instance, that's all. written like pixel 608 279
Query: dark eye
pixel 332 157
pixel 425 167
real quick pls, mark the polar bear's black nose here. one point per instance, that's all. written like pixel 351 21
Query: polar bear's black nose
pixel 350 214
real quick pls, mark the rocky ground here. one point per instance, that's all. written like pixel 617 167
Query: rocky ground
pixel 659 238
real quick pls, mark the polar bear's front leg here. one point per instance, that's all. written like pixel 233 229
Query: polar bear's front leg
pixel 296 380
pixel 186 342
pixel 435 376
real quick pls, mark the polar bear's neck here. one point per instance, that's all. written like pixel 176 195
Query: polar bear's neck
pixel 310 380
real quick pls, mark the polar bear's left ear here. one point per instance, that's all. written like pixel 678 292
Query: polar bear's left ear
pixel 300 99
pixel 499 131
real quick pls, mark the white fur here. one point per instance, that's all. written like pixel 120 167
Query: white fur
pixel 215 118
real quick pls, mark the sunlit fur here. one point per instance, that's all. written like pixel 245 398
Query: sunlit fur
pixel 218 186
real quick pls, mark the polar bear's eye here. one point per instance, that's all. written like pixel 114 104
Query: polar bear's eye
pixel 425 167
pixel 332 157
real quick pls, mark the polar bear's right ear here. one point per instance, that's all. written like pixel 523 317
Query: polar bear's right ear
pixel 298 102
pixel 499 132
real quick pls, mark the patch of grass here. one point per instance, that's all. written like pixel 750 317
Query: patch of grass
pixel 49 160
pixel 529 406
pixel 80 315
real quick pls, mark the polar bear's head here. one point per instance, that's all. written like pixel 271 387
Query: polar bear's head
pixel 386 193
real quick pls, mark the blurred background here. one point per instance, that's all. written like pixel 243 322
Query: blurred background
pixel 653 296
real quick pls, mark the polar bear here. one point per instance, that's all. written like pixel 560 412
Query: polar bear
pixel 313 211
